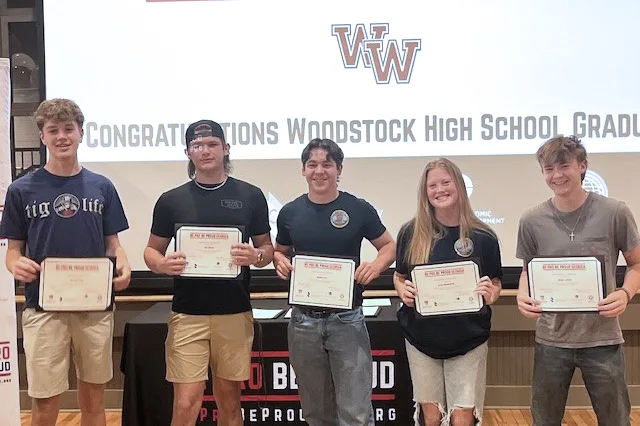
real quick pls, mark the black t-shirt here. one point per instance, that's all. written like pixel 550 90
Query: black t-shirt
pixel 449 336
pixel 333 229
pixel 235 203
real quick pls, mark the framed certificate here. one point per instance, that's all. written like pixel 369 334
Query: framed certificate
pixel 76 284
pixel 447 288
pixel 208 250
pixel 322 281
pixel 567 284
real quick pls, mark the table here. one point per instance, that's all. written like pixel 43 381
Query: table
pixel 270 396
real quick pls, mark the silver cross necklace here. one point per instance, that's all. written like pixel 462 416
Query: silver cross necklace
pixel 572 234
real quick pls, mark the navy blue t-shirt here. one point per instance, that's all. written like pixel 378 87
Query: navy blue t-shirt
pixel 236 203
pixel 61 216
pixel 333 229
pixel 445 337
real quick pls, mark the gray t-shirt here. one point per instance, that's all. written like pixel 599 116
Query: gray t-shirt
pixel 606 228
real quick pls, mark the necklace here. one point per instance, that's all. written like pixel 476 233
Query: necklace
pixel 572 234
pixel 206 188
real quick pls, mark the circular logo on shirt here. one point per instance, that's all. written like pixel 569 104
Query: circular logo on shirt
pixel 66 205
pixel 339 218
pixel 463 246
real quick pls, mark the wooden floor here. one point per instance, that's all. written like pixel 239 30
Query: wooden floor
pixel 491 418
pixel 523 417
pixel 73 418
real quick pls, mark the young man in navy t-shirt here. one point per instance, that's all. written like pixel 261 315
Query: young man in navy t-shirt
pixel 330 349
pixel 64 210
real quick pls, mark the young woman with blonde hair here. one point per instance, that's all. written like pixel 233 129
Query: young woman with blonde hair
pixel 447 354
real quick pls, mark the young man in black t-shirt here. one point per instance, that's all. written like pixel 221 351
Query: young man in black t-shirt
pixel 330 349
pixel 211 323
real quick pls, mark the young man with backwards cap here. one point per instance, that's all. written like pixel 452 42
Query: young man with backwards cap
pixel 211 322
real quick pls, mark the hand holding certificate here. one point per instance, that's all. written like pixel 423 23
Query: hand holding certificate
pixel 322 281
pixel 208 251
pixel 566 284
pixel 76 284
pixel 446 288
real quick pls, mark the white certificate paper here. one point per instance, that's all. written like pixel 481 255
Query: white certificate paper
pixel 447 288
pixel 208 251
pixel 566 284
pixel 76 284
pixel 322 281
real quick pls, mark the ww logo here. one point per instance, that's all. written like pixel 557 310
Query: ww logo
pixel 368 47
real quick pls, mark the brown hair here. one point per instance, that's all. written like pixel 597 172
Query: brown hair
pixel 560 150
pixel 58 110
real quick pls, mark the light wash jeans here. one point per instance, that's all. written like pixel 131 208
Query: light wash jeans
pixel 602 369
pixel 457 382
pixel 331 356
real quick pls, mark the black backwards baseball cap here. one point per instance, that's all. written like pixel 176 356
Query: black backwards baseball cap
pixel 202 129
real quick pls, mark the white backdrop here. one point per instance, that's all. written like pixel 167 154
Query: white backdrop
pixel 9 386
pixel 370 74
pixel 394 83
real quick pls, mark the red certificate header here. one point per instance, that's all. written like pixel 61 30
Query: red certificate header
pixel 563 267
pixel 320 265
pixel 208 236
pixel 444 272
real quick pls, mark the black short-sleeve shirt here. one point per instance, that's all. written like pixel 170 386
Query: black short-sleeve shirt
pixel 333 229
pixel 449 336
pixel 235 203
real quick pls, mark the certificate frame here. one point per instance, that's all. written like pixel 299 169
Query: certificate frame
pixel 295 299
pixel 48 302
pixel 441 269
pixel 600 289
pixel 234 273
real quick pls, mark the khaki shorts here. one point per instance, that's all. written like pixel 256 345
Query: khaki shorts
pixel 196 341
pixel 48 337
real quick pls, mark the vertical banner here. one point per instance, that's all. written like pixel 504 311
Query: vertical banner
pixel 9 386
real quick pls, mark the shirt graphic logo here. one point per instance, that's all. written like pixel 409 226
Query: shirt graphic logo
pixel 464 247
pixel 339 218
pixel 231 204
pixel 66 205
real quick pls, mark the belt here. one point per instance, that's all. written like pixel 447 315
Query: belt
pixel 319 312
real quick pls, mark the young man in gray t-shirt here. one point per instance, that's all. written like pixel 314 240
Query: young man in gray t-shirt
pixel 577 223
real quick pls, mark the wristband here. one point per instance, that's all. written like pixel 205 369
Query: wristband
pixel 629 297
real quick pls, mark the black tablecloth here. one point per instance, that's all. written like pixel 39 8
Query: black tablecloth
pixel 268 397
